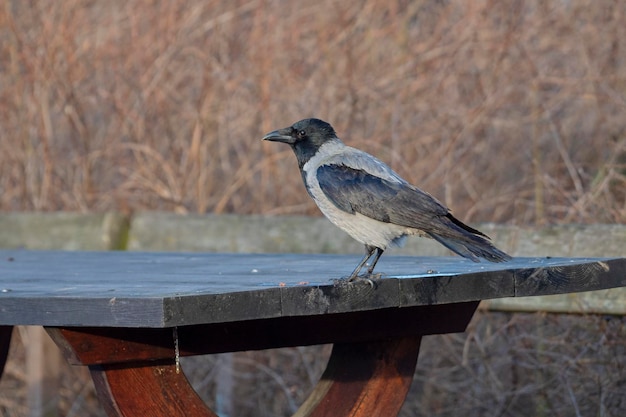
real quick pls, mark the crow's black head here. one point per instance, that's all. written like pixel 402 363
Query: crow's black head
pixel 305 137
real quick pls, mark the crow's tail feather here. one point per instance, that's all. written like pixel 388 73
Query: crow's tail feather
pixel 473 248
pixel 469 242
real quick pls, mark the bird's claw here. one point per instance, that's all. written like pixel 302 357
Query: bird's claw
pixel 370 279
pixel 371 283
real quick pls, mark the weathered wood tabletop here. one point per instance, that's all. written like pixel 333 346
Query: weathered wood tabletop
pixel 126 315
pixel 129 289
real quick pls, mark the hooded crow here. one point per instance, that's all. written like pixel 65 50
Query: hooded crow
pixel 365 198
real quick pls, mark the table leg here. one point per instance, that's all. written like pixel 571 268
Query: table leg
pixel 135 374
pixel 364 379
pixel 147 389
pixel 5 342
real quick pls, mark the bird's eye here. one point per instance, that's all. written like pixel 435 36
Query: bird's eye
pixel 301 133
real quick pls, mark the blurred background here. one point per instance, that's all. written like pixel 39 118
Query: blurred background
pixel 508 112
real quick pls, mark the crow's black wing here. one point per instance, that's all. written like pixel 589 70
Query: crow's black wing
pixel 396 201
pixel 387 200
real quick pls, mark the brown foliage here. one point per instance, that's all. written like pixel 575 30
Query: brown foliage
pixel 509 112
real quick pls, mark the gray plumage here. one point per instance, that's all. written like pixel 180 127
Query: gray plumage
pixel 363 196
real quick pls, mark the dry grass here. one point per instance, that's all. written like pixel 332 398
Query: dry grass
pixel 509 112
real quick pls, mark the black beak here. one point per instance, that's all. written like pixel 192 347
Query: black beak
pixel 280 135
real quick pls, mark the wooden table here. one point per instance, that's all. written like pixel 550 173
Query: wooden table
pixel 126 315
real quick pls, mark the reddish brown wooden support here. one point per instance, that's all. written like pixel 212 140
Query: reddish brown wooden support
pixel 369 372
pixel 367 379
pixel 5 342
pixel 147 389
pixel 364 380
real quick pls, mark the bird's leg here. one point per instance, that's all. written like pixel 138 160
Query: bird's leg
pixel 379 252
pixel 369 251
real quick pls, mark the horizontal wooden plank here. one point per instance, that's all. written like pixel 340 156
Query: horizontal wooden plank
pixel 133 289
pixel 63 230
pixel 130 344
pixel 611 302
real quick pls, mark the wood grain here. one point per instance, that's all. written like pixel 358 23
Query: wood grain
pixel 364 380
pixel 568 278
pixel 147 389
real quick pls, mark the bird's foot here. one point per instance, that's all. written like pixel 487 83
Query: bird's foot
pixel 369 278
